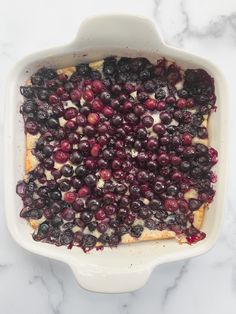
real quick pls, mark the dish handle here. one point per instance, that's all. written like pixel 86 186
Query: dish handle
pixel 118 30
pixel 115 281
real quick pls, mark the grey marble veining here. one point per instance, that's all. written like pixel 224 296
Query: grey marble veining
pixel 216 26
pixel 34 284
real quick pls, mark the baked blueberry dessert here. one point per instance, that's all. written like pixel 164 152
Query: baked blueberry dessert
pixel 117 152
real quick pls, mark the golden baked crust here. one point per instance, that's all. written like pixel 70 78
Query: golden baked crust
pixel 31 162
pixel 67 71
pixel 199 216
pixel 148 235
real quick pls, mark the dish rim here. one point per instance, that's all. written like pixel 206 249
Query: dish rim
pixel 8 130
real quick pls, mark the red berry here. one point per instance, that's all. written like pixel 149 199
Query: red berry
pixel 186 139
pixel 196 237
pixel 100 215
pixel 65 146
pixel 70 197
pixel 97 86
pixel 170 100
pixel 128 106
pixel 70 113
pixel 108 111
pixel 190 103
pixel 159 128
pixel 102 129
pixel 116 164
pixel 95 150
pixel 161 105
pixel 97 105
pixel 70 124
pixel 83 191
pixel 60 90
pixel 181 103
pixel 105 174
pixel 175 160
pixel 163 159
pixel 151 104
pixel 171 205
pixel 90 163
pixel 53 99
pixel 61 157
pixel 75 95
pixel 176 176
pixel 183 206
pixel 213 155
pixel 81 120
pixel 88 95
pixel 93 118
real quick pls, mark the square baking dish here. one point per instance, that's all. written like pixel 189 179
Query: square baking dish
pixel 126 267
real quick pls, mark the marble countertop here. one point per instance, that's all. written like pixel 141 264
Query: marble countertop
pixel 34 284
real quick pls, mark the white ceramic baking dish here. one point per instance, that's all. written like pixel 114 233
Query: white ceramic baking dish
pixel 127 267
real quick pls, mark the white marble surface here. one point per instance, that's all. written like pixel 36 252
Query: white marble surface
pixel 33 284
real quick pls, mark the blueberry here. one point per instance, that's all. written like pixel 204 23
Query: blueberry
pixel 136 231
pixel 144 75
pixel 55 195
pixel 104 238
pixel 86 216
pixel 42 94
pixel 90 180
pixel 88 241
pixel 43 229
pixel 150 224
pixel 194 204
pixel 66 237
pixel 53 123
pixel 67 170
pixel 42 116
pixel 93 204
pixel 29 106
pixel 83 69
pixel 80 171
pixel 160 94
pixel 37 80
pixel 35 214
pixel 114 239
pixel 92 226
pixel 124 64
pixel 27 91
